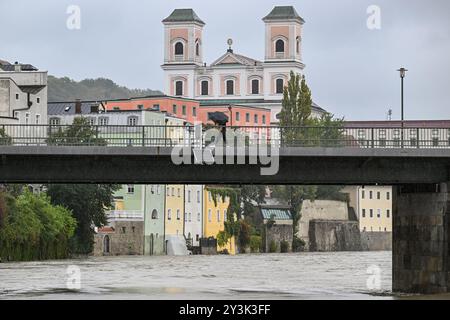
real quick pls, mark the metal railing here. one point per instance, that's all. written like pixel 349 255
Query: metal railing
pixel 125 215
pixel 169 136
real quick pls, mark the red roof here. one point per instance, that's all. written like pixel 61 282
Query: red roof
pixel 106 229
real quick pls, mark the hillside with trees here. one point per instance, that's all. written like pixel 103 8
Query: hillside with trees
pixel 66 89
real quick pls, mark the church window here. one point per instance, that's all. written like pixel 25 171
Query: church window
pixel 204 88
pixel 197 48
pixel 179 49
pixel 279 46
pixel 279 86
pixel 298 45
pixel 255 86
pixel 179 88
pixel 230 87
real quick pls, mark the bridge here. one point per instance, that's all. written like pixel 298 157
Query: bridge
pixel 416 161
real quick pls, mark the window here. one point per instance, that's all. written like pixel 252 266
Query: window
pixel 178 192
pixel 132 121
pixel 279 86
pixel 198 216
pixel 209 215
pixel 255 86
pixel 218 215
pixel 297 45
pixel 189 196
pixel 230 87
pixel 238 116
pixel 197 48
pixel 17 115
pixel 363 194
pixel 388 195
pixel 91 121
pixel 179 88
pixel 379 213
pixel 190 217
pixel 179 49
pixel 198 196
pixel 169 214
pixel 38 100
pixel 279 46
pixel 204 88
pixel 256 118
pixel 53 121
pixel 194 111
pixel 224 215
pixel 156 107
pixel 413 142
pixel 363 213
pixel 178 214
pixel 370 194
pixel 371 213
pixel 264 119
pixel 209 196
pixel 17 96
pixel 103 121
pixel 173 192
pixel 38 119
pixel 183 110
pixel 27 118
pixel 152 189
pixel 130 189
pixel 185 217
pixel 174 109
pixel 247 117
pixel 124 229
pixel 378 195
pixel 388 213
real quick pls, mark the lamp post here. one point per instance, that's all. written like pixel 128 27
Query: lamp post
pixel 402 77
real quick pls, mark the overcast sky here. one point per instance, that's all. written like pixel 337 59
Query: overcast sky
pixel 350 69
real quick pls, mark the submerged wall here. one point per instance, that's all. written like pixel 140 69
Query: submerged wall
pixel 328 235
pixel 376 241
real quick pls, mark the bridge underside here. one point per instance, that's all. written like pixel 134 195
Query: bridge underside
pixel 154 166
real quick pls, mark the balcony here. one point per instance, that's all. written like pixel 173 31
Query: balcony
pixel 125 215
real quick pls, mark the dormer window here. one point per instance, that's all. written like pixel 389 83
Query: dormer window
pixel 279 46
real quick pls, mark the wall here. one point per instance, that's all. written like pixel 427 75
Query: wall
pixel 326 235
pixel 175 206
pixel 376 241
pixel 122 242
pixel 277 233
pixel 322 210
pixel 193 213
pixel 154 225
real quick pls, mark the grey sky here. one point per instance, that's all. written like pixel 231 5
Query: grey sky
pixel 350 69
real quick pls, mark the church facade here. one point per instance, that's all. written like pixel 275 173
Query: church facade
pixel 233 79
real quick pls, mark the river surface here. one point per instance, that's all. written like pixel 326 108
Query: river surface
pixel 339 275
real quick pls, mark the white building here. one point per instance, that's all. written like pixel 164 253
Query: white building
pixel 233 78
pixel 193 209
pixel 23 94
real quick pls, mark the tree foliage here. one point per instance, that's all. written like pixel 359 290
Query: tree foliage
pixel 79 133
pixel 65 89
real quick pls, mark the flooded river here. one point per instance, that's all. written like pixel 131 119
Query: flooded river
pixel 340 275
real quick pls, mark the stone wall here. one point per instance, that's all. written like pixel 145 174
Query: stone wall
pixel 376 241
pixel 127 239
pixel 278 233
pixel 328 235
pixel 320 210
pixel 420 239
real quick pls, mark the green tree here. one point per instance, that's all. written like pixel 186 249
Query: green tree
pixel 88 203
pixel 79 133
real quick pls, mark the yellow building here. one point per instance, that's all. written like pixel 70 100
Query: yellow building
pixel 373 207
pixel 173 220
pixel 214 216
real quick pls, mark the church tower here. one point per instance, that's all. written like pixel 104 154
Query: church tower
pixel 183 52
pixel 283 35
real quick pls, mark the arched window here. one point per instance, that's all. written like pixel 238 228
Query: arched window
pixel 179 49
pixel 279 46
pixel 230 87
pixel 298 45
pixel 169 214
pixel 154 214
pixel 197 48
pixel 279 86
pixel 106 244
pixel 205 88
pixel 179 88
pixel 255 86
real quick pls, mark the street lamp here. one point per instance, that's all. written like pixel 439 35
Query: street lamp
pixel 402 76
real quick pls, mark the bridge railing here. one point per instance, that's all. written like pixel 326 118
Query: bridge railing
pixel 169 136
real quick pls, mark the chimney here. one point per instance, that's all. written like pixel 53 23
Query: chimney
pixel 17 67
pixel 78 106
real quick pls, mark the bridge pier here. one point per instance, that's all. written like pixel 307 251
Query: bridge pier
pixel 420 249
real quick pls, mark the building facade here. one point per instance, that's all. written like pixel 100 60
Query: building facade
pixel 23 94
pixel 174 210
pixel 233 78
pixel 193 217
pixel 214 217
